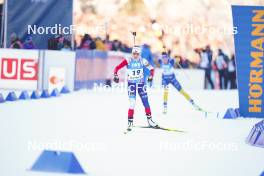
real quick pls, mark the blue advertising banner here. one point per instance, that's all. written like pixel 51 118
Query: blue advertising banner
pixel 249 51
pixel 38 20
pixel 91 68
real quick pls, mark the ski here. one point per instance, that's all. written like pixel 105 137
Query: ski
pixel 160 128
pixel 197 108
pixel 208 112
pixel 127 131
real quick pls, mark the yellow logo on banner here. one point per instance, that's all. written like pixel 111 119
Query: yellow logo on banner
pixel 256 67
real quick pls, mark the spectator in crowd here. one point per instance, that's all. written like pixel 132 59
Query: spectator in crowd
pixel 232 72
pixel 52 43
pixel 28 43
pixel 206 56
pixel 125 48
pixel 66 45
pixel 15 42
pixel 60 42
pixel 116 45
pixel 88 41
pixel 146 53
pixel 221 66
pixel 182 61
pixel 100 45
pixel 57 43
pixel 86 45
pixel 108 43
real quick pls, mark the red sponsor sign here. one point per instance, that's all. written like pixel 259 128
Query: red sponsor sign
pixel 19 69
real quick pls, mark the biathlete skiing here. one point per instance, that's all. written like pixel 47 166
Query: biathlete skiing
pixel 168 77
pixel 136 84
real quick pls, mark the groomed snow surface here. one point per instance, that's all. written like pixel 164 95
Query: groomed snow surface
pixel 91 124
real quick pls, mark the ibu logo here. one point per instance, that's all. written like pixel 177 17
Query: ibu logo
pixel 135 64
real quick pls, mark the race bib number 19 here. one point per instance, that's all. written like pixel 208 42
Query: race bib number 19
pixel 135 74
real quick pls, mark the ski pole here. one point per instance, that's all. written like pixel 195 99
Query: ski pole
pixel 134 37
pixel 183 71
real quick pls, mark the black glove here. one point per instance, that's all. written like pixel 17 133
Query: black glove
pixel 150 79
pixel 116 78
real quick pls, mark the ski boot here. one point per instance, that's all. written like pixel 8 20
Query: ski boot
pixel 151 123
pixel 130 124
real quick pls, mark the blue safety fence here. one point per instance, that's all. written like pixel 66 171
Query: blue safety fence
pixel 10 96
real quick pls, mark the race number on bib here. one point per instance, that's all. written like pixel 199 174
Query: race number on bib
pixel 134 74
pixel 167 69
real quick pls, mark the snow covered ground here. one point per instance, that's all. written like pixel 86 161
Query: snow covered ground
pixel 92 124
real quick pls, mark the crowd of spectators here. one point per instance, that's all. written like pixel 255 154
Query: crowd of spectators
pixel 17 43
pixel 98 43
pixel 60 42
pixel 222 65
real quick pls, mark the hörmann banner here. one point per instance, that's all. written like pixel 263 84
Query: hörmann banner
pixel 249 51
